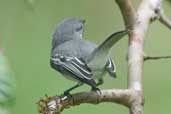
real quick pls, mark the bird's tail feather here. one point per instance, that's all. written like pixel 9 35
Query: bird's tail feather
pixel 111 40
pixel 102 50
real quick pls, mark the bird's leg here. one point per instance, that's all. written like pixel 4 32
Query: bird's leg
pixel 95 89
pixel 100 82
pixel 66 93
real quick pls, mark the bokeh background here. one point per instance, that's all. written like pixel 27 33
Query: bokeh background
pixel 26 27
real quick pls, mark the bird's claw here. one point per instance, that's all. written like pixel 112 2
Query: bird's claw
pixel 66 93
pixel 97 90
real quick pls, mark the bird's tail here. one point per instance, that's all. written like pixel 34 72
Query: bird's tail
pixel 100 53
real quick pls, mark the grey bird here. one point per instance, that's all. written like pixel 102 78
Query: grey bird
pixel 81 60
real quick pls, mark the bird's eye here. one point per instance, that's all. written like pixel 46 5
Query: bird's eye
pixel 79 28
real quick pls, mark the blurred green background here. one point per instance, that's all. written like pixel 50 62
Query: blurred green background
pixel 27 26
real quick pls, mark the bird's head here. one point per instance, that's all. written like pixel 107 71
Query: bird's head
pixel 68 29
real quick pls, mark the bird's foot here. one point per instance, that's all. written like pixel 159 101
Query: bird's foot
pixel 66 93
pixel 97 90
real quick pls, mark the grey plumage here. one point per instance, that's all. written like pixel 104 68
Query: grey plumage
pixel 78 59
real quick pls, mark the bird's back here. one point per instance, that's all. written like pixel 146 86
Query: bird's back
pixel 78 48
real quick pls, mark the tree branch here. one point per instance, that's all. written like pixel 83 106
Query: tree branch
pixel 54 105
pixel 128 12
pixel 140 21
pixel 163 18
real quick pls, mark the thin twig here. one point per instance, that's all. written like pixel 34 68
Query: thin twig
pixel 156 57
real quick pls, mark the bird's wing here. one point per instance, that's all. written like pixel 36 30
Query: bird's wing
pixel 74 66
pixel 100 53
